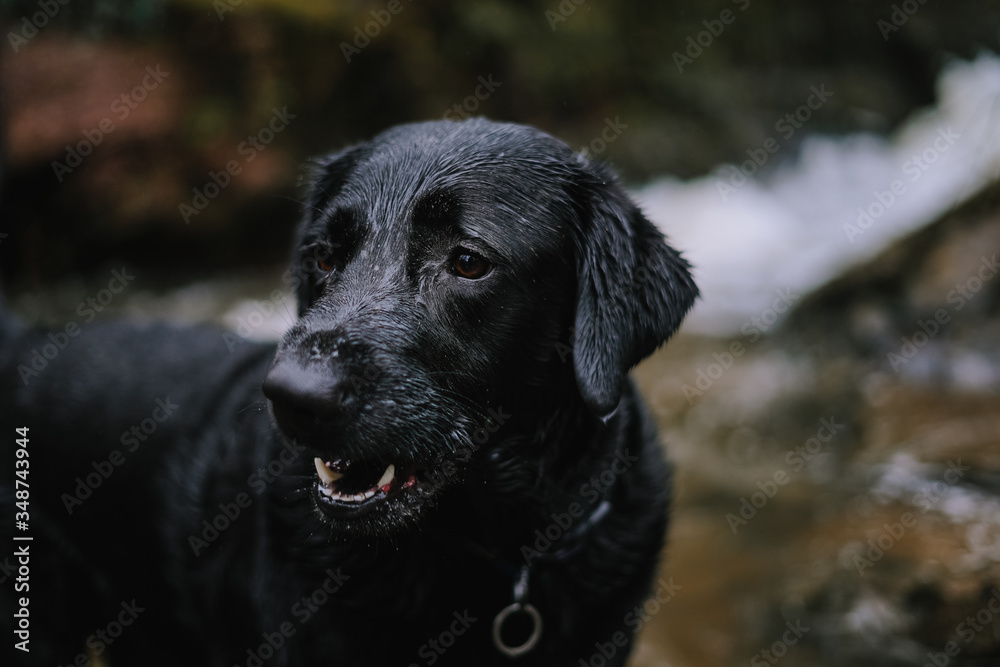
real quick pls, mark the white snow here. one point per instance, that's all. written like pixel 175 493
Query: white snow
pixel 800 226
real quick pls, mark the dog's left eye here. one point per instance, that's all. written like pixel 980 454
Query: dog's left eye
pixel 470 265
pixel 326 257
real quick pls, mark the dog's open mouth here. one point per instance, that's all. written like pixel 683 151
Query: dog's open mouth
pixel 345 488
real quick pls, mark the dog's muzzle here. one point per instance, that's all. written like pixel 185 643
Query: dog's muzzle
pixel 322 402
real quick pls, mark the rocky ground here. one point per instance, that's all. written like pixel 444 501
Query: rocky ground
pixel 839 477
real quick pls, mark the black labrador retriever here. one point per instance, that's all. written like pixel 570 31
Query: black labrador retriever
pixel 442 462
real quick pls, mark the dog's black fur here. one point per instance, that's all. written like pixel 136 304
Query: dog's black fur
pixel 504 396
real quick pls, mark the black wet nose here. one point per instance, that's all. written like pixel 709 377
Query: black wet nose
pixel 309 397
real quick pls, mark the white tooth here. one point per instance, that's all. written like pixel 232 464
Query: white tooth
pixel 325 474
pixel 358 497
pixel 387 476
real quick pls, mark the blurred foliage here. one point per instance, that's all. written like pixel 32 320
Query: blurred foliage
pixel 567 68
pixel 94 17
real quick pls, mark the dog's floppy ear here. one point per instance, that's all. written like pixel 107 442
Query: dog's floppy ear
pixel 326 176
pixel 633 290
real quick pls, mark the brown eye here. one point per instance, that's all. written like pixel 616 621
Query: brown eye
pixel 324 259
pixel 471 266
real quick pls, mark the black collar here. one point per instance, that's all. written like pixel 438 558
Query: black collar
pixel 569 545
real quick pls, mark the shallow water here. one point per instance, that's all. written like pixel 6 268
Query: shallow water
pixel 871 519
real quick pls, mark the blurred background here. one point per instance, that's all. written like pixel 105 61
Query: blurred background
pixel 831 169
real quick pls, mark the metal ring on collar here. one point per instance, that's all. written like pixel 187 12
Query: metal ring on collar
pixel 530 642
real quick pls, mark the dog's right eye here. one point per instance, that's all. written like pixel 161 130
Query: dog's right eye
pixel 471 266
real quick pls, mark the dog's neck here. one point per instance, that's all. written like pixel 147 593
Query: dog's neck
pixel 538 471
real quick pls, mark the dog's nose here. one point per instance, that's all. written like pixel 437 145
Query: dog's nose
pixel 308 397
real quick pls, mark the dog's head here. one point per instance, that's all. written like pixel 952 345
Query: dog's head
pixel 452 277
